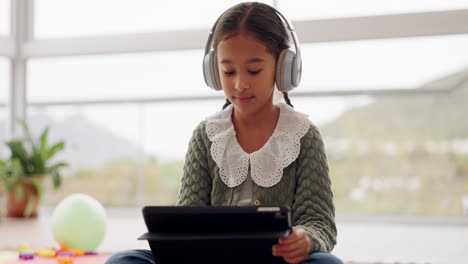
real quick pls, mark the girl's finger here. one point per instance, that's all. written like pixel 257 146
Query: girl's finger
pixel 296 234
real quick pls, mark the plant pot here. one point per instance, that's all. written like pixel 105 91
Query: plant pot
pixel 17 207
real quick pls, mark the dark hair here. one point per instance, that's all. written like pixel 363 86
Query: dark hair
pixel 259 21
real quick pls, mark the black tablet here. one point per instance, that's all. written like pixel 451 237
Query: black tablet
pixel 218 234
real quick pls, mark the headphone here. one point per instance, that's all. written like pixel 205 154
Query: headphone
pixel 288 66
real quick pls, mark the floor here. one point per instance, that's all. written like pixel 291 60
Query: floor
pixel 361 240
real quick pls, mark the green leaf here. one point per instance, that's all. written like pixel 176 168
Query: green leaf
pixel 17 148
pixel 28 135
pixel 30 206
pixel 58 165
pixel 54 172
pixel 54 149
pixel 38 164
pixel 38 186
pixel 16 168
pixel 10 186
pixel 19 192
pixel 43 140
pixel 56 179
pixel 43 144
pixel 3 169
pixel 19 152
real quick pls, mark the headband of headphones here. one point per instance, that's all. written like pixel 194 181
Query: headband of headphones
pixel 288 66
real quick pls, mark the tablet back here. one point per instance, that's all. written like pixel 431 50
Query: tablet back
pixel 182 234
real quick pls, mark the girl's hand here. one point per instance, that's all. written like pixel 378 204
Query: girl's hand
pixel 294 248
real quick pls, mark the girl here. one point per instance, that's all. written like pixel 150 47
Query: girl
pixel 254 152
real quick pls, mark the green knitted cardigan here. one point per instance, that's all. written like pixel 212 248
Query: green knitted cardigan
pixel 305 187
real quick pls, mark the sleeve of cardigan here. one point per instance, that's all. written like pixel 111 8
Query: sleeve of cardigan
pixel 313 208
pixel 195 187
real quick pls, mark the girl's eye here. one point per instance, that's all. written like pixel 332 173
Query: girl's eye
pixel 254 72
pixel 229 73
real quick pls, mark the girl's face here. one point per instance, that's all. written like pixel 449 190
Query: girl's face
pixel 247 73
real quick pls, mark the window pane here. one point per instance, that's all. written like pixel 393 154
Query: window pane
pixel 66 18
pixel 4 17
pixel 353 65
pixel 4 79
pixel 381 64
pixel 168 128
pixel 4 84
pixel 161 74
pixel 395 155
pixel 303 9
pixel 124 155
pixel 389 155
pixel 101 146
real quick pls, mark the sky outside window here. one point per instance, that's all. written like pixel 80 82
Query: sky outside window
pixel 160 130
pixel 124 76
pixel 382 64
pixel 374 64
pixel 4 17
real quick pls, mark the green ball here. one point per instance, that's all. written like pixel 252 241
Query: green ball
pixel 79 222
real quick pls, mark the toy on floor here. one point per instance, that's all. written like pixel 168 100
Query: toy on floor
pixel 46 253
pixel 63 255
pixel 65 260
pixel 26 255
pixel 79 222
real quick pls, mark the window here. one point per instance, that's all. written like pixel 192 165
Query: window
pixel 177 73
pixel 101 146
pixel 388 154
pixel 303 9
pixel 381 64
pixel 4 17
pixel 167 130
pixel 395 155
pixel 69 18
pixel 124 155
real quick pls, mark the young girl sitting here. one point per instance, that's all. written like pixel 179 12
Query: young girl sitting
pixel 254 152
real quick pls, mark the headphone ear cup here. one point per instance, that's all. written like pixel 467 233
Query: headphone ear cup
pixel 210 71
pixel 215 72
pixel 279 71
pixel 207 70
pixel 284 68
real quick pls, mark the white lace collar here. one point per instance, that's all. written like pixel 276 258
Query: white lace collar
pixel 268 162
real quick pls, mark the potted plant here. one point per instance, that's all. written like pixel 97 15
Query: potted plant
pixel 26 171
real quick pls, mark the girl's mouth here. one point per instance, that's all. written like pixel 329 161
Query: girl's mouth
pixel 244 99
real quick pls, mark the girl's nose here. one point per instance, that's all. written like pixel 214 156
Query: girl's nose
pixel 242 83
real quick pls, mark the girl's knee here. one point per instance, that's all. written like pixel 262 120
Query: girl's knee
pixel 137 256
pixel 323 258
